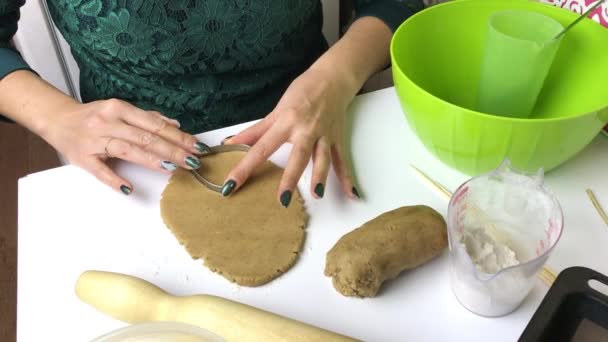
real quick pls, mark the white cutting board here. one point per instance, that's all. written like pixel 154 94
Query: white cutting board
pixel 69 223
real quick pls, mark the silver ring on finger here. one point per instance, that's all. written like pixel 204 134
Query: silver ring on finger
pixel 105 148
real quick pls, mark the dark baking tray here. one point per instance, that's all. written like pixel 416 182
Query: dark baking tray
pixel 571 311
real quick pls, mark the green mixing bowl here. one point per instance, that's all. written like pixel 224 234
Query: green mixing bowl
pixel 436 56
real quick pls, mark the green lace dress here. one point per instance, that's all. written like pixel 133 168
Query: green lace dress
pixel 206 63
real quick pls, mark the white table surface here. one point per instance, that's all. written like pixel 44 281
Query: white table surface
pixel 69 223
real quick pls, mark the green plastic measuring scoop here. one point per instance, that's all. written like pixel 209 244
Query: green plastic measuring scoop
pixel 520 48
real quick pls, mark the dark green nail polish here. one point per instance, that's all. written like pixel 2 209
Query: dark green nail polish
pixel 285 198
pixel 125 189
pixel 319 189
pixel 355 192
pixel 228 187
pixel 202 148
pixel 193 162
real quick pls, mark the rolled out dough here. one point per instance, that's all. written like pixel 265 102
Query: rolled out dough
pixel 248 238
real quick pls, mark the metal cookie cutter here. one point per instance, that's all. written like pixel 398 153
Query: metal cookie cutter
pixel 214 150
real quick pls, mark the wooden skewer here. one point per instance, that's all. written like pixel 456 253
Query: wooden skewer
pixel 547 275
pixel 597 206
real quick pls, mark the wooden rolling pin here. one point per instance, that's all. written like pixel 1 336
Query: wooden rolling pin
pixel 134 300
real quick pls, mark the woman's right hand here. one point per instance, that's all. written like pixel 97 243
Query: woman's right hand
pixel 87 135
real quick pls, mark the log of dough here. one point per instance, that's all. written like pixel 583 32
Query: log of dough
pixel 246 237
pixel 382 248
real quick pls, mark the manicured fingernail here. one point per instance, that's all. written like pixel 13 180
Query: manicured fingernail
pixel 319 189
pixel 228 187
pixel 355 192
pixel 225 140
pixel 193 162
pixel 285 198
pixel 167 165
pixel 125 189
pixel 175 122
pixel 202 148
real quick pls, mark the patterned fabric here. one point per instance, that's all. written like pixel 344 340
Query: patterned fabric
pixel 206 63
pixel 599 14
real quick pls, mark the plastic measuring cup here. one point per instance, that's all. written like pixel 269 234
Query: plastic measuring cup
pixel 500 209
pixel 518 53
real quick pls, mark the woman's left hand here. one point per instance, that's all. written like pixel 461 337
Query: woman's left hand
pixel 311 116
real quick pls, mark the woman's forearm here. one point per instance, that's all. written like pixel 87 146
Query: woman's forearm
pixel 30 101
pixel 363 51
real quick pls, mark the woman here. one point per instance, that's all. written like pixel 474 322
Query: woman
pixel 203 64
